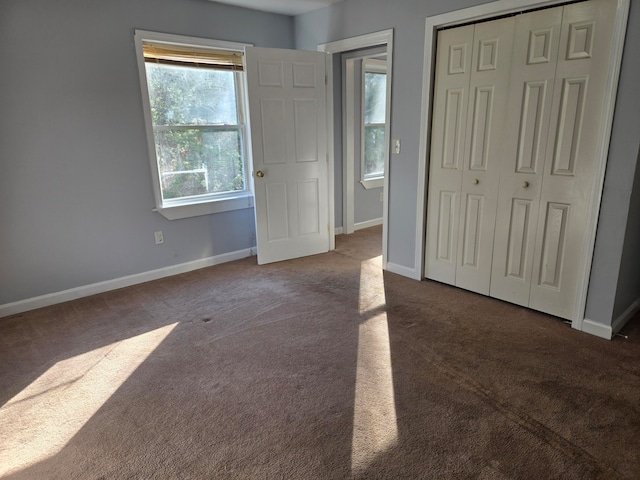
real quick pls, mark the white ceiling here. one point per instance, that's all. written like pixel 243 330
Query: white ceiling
pixel 286 7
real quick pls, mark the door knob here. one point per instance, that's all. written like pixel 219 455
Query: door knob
pixel 476 181
pixel 260 173
pixel 525 184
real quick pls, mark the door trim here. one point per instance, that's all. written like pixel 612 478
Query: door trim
pixel 384 37
pixel 483 12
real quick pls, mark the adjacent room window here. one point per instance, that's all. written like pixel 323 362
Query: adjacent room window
pixel 374 102
pixel 193 94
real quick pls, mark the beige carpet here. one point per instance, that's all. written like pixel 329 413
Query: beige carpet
pixel 320 367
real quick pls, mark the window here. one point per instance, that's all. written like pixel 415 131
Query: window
pixel 374 102
pixel 194 110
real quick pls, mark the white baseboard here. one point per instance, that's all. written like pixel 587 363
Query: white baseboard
pixel 401 270
pixel 360 225
pixel 367 224
pixel 608 331
pixel 108 285
pixel 627 315
pixel 598 329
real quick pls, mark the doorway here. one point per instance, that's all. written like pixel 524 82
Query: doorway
pixel 364 141
pixel 344 170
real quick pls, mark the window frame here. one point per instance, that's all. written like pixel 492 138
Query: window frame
pixel 205 204
pixel 371 65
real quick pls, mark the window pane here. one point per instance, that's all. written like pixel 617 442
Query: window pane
pixel 199 161
pixel 375 97
pixel 373 151
pixel 191 96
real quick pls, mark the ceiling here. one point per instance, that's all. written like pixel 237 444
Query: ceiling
pixel 286 7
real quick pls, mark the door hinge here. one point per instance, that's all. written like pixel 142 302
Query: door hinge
pixel 326 80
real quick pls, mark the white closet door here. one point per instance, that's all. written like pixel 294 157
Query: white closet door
pixel 507 210
pixel 489 84
pixel 583 64
pixel 451 101
pixel 534 60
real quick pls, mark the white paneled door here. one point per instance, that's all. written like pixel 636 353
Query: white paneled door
pixel 488 86
pixel 507 213
pixel 453 70
pixel 472 76
pixel 533 73
pixel 287 109
pixel 570 158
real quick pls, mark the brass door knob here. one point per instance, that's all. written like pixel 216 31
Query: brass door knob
pixel 260 173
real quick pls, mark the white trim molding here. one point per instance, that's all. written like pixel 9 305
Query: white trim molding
pixel 236 202
pixel 328 69
pixel 356 43
pixel 86 290
pixel 627 315
pixel 348 145
pixel 372 183
pixel 484 12
pixel 401 270
pixel 608 331
pixel 598 329
pixel 367 224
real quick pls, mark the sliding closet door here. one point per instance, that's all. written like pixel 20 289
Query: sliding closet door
pixel 489 84
pixel 531 88
pixel 582 70
pixel 453 70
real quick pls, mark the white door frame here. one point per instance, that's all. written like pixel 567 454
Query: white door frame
pixel 482 12
pixel 384 37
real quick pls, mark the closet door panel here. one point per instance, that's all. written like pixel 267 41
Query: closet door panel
pixel 570 156
pixel 531 87
pixel 453 70
pixel 489 83
pixel 516 123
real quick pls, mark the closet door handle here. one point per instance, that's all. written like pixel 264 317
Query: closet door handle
pixel 525 184
pixel 476 181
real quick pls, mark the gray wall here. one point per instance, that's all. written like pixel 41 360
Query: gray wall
pixel 75 185
pixel 629 278
pixel 407 18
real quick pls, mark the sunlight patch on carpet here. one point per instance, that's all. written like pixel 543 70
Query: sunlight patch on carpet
pixel 375 427
pixel 371 296
pixel 39 421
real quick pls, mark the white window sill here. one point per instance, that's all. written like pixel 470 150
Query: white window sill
pixel 373 183
pixel 227 204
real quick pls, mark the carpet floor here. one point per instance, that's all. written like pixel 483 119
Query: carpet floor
pixel 323 367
